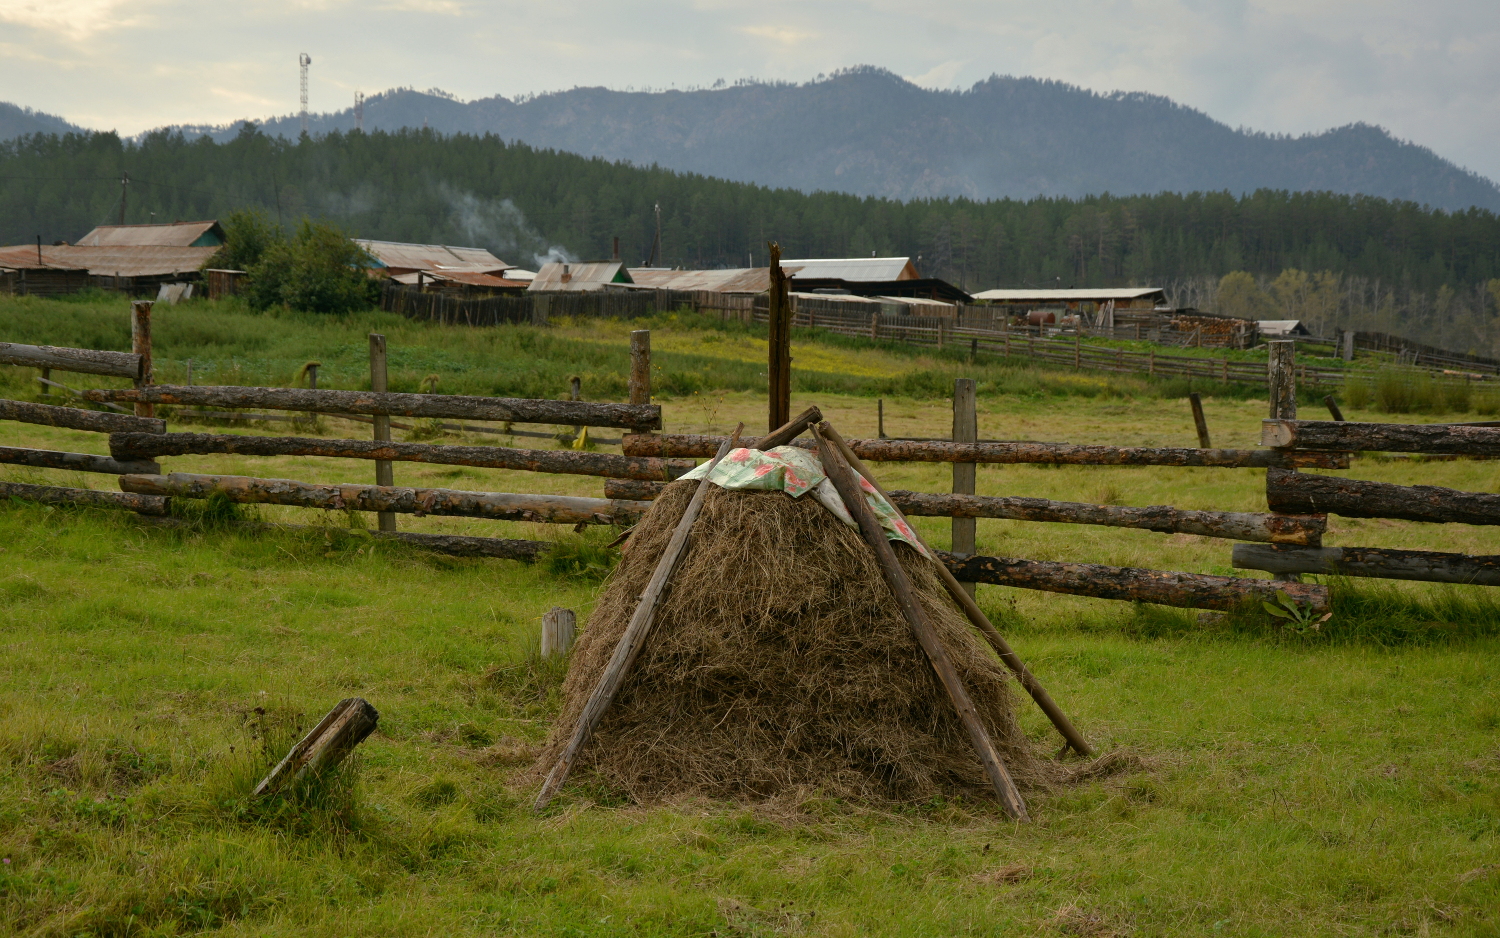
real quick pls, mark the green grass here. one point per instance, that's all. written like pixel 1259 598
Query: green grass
pixel 1343 782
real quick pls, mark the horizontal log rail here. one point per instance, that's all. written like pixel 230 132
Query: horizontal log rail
pixel 1302 529
pixel 1080 454
pixel 1355 498
pixel 1424 565
pixel 1191 590
pixel 78 360
pixel 92 498
pixel 394 404
pixel 1381 437
pixel 496 506
pixel 78 462
pixel 570 462
pixel 457 545
pixel 74 418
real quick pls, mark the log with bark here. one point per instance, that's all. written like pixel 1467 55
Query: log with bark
pixel 391 403
pixel 695 445
pixel 89 498
pixel 1304 529
pixel 1381 437
pixel 321 750
pixel 77 360
pixel 79 462
pixel 497 506
pixel 1191 590
pixel 572 462
pixel 1382 562
pixel 74 418
pixel 1355 498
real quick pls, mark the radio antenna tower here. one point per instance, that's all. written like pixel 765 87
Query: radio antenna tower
pixel 359 111
pixel 304 60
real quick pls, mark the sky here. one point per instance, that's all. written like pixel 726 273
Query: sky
pixel 1428 71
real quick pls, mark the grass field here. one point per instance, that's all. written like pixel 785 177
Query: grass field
pixel 1344 783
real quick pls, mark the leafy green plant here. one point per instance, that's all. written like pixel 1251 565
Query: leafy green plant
pixel 1296 617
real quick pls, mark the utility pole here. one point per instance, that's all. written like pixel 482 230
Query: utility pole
pixel 656 242
pixel 124 187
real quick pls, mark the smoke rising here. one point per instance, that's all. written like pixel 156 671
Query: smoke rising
pixel 498 225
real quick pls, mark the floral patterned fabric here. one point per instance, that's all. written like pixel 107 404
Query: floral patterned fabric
pixel 796 472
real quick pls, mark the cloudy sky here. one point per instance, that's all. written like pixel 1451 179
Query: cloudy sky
pixel 1429 71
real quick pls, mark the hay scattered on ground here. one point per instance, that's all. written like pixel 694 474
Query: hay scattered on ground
pixel 780 663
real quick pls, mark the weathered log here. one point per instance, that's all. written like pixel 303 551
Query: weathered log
pixel 1236 525
pixel 572 462
pixel 74 418
pixel 321 750
pixel 462 545
pixel 853 496
pixel 1426 565
pixel 1380 437
pixel 695 445
pixel 79 462
pixel 634 638
pixel 390 403
pixel 88 498
pixel 1355 498
pixel 78 360
pixel 638 490
pixel 788 431
pixel 1191 590
pixel 497 506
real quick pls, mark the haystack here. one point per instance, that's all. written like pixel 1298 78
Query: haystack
pixel 780 664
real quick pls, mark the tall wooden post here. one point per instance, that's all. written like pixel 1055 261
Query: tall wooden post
pixel 1281 384
pixel 640 367
pixel 1198 420
pixel 965 430
pixel 140 343
pixel 1348 349
pixel 383 474
pixel 779 312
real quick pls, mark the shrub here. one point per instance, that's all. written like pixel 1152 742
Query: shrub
pixel 320 271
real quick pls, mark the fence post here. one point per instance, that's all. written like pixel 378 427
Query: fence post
pixel 1348 345
pixel 965 430
pixel 640 367
pixel 880 418
pixel 383 474
pixel 779 372
pixel 46 376
pixel 1151 364
pixel 557 631
pixel 874 325
pixel 1077 352
pixel 1281 381
pixel 942 334
pixel 1197 402
pixel 312 376
pixel 140 344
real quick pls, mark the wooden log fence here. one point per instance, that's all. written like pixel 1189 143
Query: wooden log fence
pixel 74 418
pixel 570 462
pixel 77 462
pixel 1354 498
pixel 514 410
pixel 90 498
pixel 695 445
pixel 1382 562
pixel 77 360
pixel 496 506
pixel 1332 435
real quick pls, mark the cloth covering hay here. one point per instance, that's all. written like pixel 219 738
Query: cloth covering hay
pixel 779 663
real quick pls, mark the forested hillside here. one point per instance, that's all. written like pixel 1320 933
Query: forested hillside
pixel 869 132
pixel 1392 260
pixel 20 121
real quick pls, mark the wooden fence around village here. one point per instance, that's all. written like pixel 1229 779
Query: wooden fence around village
pixel 1286 540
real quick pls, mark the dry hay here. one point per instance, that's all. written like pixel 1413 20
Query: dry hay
pixel 779 663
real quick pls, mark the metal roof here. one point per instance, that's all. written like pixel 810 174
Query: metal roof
pixel 1095 295
pixel 180 234
pixel 460 276
pixel 1281 327
pixel 853 268
pixel 572 277
pixel 125 261
pixel 401 257
pixel 23 257
pixel 734 280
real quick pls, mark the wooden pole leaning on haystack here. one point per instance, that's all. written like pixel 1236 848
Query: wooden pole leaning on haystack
pixel 630 644
pixel 779 326
pixel 981 621
pixel 843 478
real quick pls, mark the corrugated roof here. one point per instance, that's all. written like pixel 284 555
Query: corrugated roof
pixel 402 257
pixel 736 280
pixel 461 276
pixel 853 268
pixel 180 234
pixel 127 261
pixel 1094 295
pixel 23 257
pixel 570 277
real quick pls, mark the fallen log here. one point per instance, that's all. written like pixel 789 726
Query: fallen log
pixel 1426 565
pixel 74 418
pixel 497 506
pixel 1355 498
pixel 457 545
pixel 1381 437
pixel 89 498
pixel 321 750
pixel 390 403
pixel 572 462
pixel 77 360
pixel 80 462
pixel 696 445
pixel 1192 590
pixel 1304 529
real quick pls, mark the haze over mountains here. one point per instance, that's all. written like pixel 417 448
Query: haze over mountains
pixel 869 132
